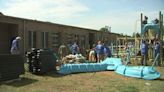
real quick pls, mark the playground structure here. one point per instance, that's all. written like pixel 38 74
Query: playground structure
pixel 126 48
pixel 153 32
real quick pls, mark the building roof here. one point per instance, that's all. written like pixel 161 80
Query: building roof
pixel 47 22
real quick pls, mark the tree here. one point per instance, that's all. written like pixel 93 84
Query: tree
pixel 1 13
pixel 106 29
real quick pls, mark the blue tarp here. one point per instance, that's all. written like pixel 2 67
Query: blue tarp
pixel 145 72
pixel 84 67
pixel 112 63
pixel 107 64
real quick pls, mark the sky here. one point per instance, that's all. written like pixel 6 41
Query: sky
pixel 121 15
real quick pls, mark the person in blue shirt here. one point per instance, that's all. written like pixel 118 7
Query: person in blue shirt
pixel 100 51
pixel 107 51
pixel 157 51
pixel 15 46
pixel 75 49
pixel 144 53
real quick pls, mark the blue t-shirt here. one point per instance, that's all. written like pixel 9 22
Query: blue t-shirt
pixel 144 48
pixel 74 49
pixel 157 48
pixel 107 51
pixel 99 49
pixel 14 45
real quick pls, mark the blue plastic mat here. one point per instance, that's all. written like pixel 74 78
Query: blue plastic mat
pixel 107 64
pixel 145 72
pixel 84 67
pixel 112 63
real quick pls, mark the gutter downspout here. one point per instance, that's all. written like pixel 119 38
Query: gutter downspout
pixel 24 37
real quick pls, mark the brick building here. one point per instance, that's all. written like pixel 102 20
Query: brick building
pixel 39 34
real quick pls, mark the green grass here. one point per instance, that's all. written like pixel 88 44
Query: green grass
pixel 107 81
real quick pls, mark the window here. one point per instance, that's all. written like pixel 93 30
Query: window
pixel 44 39
pixel 69 38
pixel 77 39
pixel 83 41
pixel 32 39
pixel 55 40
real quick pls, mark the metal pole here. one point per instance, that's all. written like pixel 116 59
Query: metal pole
pixel 117 47
pixel 161 36
pixel 162 41
pixel 141 26
pixel 155 60
pixel 135 42
pixel 112 47
pixel 135 45
pixel 162 47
